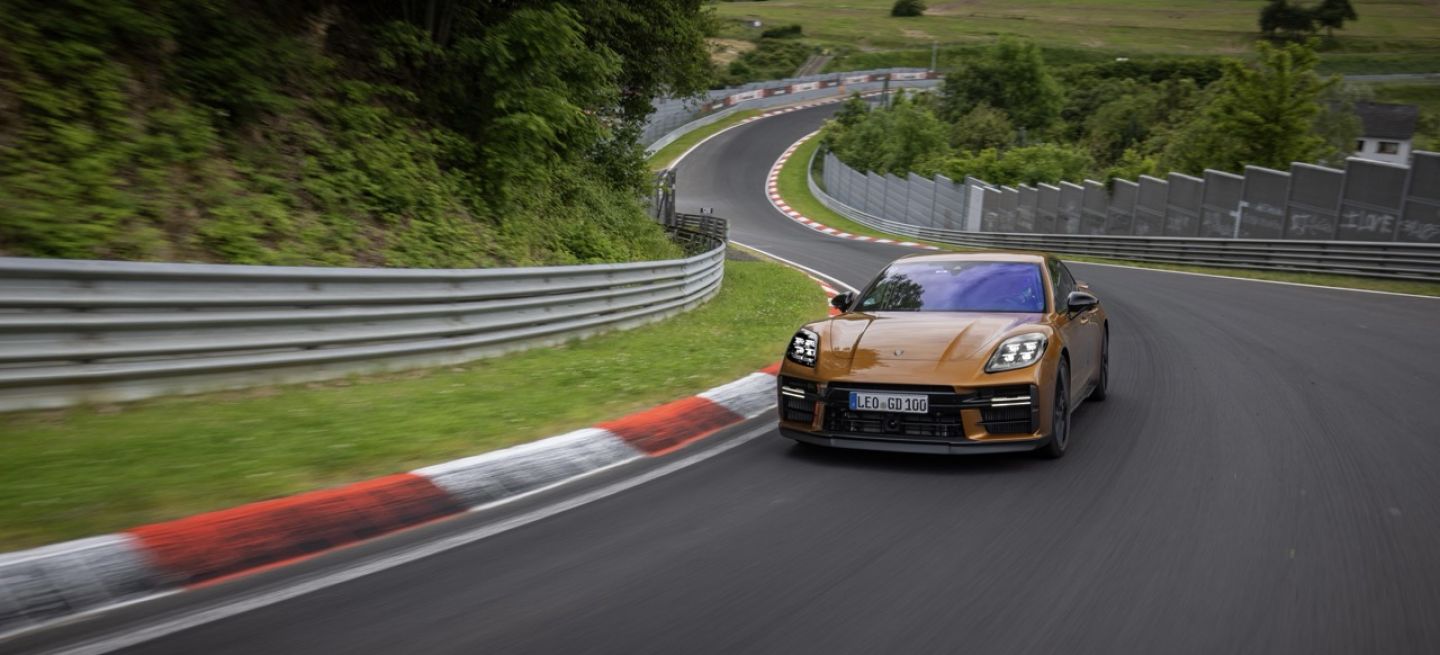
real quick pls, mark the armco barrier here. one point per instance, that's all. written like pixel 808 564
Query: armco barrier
pixel 675 117
pixel 101 331
pixel 1383 259
pixel 1143 222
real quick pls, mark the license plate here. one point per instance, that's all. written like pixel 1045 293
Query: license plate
pixel 889 402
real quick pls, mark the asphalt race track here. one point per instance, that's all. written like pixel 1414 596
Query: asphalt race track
pixel 1265 478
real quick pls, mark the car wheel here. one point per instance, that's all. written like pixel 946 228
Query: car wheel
pixel 1060 417
pixel 1102 386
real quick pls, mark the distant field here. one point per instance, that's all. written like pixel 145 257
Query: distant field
pixel 1426 95
pixel 1391 36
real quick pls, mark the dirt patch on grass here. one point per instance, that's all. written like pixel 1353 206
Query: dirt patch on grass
pixel 952 8
pixel 724 51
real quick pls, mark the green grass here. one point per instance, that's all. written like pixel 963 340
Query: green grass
pixel 1387 37
pixel 1426 95
pixel 664 157
pixel 796 191
pixel 797 194
pixel 88 471
pixel 950 57
pixel 1344 63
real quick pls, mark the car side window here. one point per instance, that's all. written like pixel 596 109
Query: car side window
pixel 1062 282
pixel 1069 279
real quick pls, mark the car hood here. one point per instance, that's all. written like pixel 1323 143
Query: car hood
pixel 935 338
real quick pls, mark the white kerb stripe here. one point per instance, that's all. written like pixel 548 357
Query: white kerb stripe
pixel 492 476
pixel 52 581
pixel 749 396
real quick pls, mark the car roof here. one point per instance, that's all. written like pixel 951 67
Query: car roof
pixel 982 256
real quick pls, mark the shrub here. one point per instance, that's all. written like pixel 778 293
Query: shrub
pixel 790 31
pixel 908 8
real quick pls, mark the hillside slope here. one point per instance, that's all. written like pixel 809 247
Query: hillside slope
pixel 425 133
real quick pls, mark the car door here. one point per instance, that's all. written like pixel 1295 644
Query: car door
pixel 1089 333
pixel 1072 330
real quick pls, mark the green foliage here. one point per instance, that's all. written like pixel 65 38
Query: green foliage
pixel 1332 14
pixel 1200 70
pixel 790 31
pixel 354 134
pixel 1261 113
pixel 1280 19
pixel 1134 113
pixel 898 139
pixel 1120 122
pixel 772 59
pixel 1338 124
pixel 852 112
pixel 1011 77
pixel 984 127
pixel 908 8
pixel 1048 162
pixel 1131 166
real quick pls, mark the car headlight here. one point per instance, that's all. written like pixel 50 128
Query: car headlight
pixel 1018 351
pixel 804 348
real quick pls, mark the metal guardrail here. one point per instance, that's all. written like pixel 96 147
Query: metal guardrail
pixel 100 331
pixel 1395 260
pixel 673 117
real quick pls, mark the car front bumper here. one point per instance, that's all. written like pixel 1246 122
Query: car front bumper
pixel 900 445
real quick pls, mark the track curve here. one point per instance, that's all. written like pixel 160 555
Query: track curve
pixel 1264 478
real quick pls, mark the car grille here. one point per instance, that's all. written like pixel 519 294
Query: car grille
pixel 1013 419
pixel 942 422
pixel 1006 420
pixel 801 410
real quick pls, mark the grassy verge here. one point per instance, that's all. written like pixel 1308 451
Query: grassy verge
pixel 797 194
pixel 796 191
pixel 664 157
pixel 88 471
pixel 952 56
pixel 1118 27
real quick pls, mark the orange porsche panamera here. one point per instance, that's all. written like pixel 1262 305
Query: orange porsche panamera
pixel 952 353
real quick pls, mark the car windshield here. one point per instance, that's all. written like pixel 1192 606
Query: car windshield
pixel 964 286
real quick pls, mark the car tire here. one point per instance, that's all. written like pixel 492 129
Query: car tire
pixel 1059 440
pixel 1102 386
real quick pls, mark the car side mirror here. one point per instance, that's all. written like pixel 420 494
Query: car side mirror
pixel 1080 301
pixel 842 301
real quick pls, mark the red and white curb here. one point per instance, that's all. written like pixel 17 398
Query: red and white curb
pixel 830 293
pixel 805 105
pixel 772 191
pixel 47 583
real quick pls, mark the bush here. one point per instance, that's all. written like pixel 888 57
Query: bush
pixel 1010 76
pixel 790 31
pixel 908 8
pixel 1048 163
pixel 773 59
pixel 303 133
pixel 902 138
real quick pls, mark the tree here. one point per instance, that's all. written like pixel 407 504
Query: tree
pixel 852 111
pixel 1010 76
pixel 1338 124
pixel 1262 113
pixel 1049 163
pixel 1284 20
pixel 1332 14
pixel 902 138
pixel 984 127
pixel 908 8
